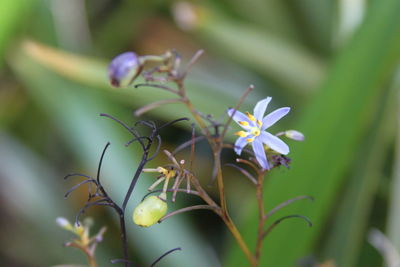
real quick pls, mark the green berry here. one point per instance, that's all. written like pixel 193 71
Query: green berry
pixel 149 211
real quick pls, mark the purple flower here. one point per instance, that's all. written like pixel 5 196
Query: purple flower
pixel 123 69
pixel 254 131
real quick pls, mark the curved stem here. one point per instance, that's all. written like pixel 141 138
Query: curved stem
pixel 261 214
pixel 239 239
pixel 196 207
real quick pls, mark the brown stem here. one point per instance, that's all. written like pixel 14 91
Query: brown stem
pixel 239 239
pixel 91 261
pixel 216 146
pixel 261 214
pixel 227 220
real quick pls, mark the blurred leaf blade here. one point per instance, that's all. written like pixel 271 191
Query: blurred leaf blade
pixel 11 12
pixel 333 123
pixel 394 209
pixel 351 220
pixel 290 65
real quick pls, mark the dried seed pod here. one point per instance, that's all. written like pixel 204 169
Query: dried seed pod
pixel 149 211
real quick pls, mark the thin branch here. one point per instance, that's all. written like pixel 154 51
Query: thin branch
pixel 157 86
pixel 78 185
pixel 157 149
pixel 192 148
pixel 244 172
pixel 272 226
pixel 196 207
pixel 95 203
pixel 135 178
pixel 171 158
pixel 192 192
pixel 136 139
pixel 126 127
pixel 101 162
pixel 172 122
pixel 242 98
pixel 286 203
pixel 192 61
pixel 76 174
pixel 149 124
pixel 163 255
pixel 187 143
pixel 248 162
pixel 154 105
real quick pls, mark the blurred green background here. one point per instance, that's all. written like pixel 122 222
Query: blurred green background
pixel 334 62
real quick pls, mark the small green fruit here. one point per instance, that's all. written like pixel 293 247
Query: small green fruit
pixel 150 211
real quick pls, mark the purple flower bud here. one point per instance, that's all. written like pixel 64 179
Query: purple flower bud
pixel 294 135
pixel 123 69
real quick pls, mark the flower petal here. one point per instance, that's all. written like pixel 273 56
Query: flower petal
pixel 260 108
pixel 239 116
pixel 274 143
pixel 274 116
pixel 240 144
pixel 259 152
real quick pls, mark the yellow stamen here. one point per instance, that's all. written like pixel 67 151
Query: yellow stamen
pixel 251 117
pixel 244 123
pixel 170 174
pixel 241 133
pixel 259 123
pixel 162 171
pixel 249 140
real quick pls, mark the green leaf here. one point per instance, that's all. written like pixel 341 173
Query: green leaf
pixel 351 221
pixel 288 64
pixel 12 14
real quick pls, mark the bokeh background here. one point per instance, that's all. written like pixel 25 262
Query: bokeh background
pixel 335 62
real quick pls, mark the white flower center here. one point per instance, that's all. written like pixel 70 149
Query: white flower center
pixel 255 131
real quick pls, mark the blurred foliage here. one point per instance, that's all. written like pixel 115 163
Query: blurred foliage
pixel 334 63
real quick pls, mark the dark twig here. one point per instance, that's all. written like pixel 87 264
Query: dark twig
pixel 101 162
pixel 78 185
pixel 136 139
pixel 126 127
pixel 100 202
pixel 172 122
pixel 157 149
pixel 76 174
pixel 163 255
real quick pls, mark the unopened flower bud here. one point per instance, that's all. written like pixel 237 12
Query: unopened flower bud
pixel 123 69
pixel 149 211
pixel 64 223
pixel 295 135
